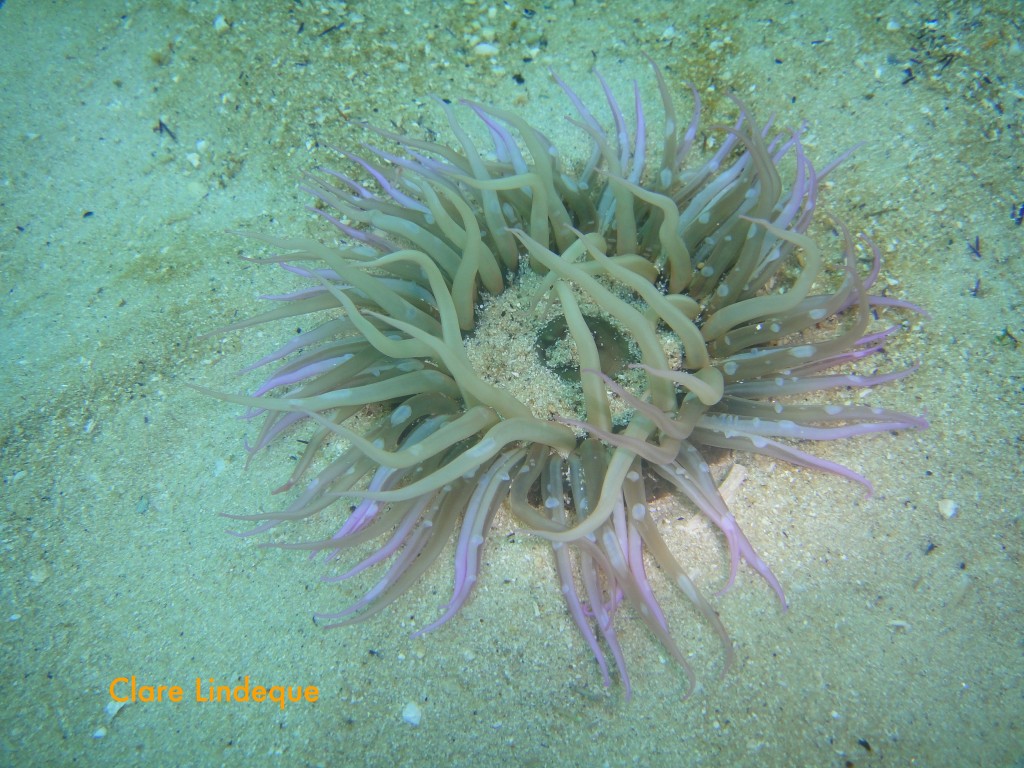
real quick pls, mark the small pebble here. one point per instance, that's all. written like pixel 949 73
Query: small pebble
pixel 948 508
pixel 412 714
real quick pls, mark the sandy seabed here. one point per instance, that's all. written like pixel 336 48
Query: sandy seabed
pixel 136 136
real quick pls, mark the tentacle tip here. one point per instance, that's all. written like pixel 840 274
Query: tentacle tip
pixel 730 659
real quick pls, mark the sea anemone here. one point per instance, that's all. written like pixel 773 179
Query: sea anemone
pixel 673 308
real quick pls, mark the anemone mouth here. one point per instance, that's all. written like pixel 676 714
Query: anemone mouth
pixel 668 307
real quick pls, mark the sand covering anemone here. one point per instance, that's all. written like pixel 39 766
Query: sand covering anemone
pixel 705 278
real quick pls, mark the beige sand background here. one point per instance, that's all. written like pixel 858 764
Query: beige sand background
pixel 903 644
